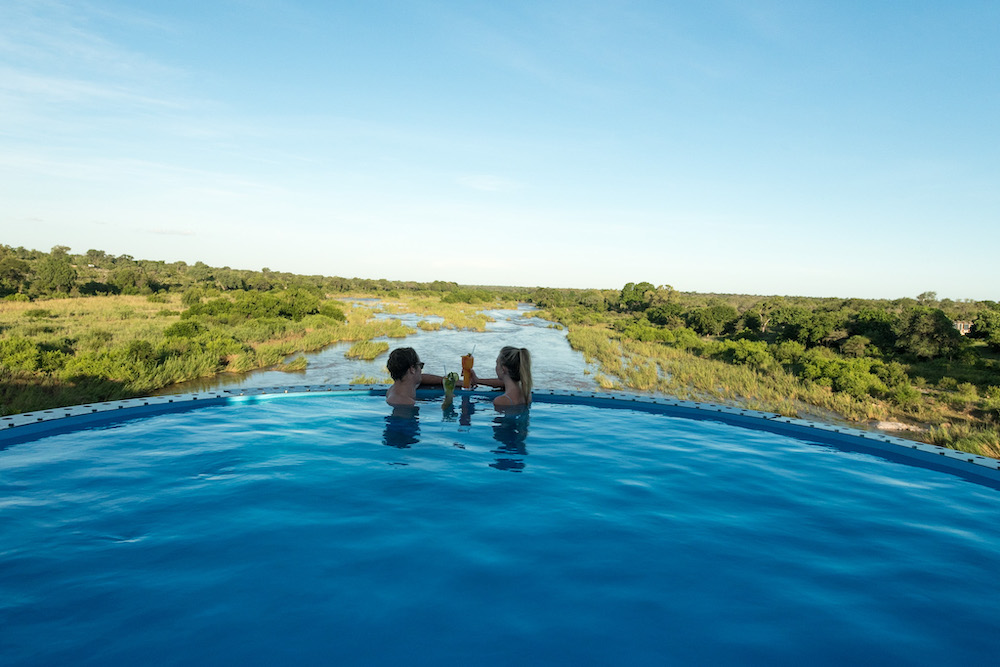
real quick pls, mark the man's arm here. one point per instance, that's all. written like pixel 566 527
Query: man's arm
pixel 428 380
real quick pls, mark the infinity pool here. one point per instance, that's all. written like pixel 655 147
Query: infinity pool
pixel 331 529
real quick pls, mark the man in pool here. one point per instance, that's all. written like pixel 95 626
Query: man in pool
pixel 407 372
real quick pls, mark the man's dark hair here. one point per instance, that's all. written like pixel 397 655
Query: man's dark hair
pixel 401 360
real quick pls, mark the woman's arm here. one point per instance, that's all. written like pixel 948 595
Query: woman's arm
pixel 496 383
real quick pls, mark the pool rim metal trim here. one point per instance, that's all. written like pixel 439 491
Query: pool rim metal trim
pixel 29 426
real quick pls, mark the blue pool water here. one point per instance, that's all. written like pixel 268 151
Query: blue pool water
pixel 332 529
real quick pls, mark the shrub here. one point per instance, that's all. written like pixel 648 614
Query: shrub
pixel 139 351
pixel 297 303
pixel 892 373
pixel 96 339
pixel 330 310
pixel 642 330
pixel 183 329
pixel 19 354
pixel 851 376
pixel 788 352
pixel 905 396
pixel 990 404
pixel 469 296
pixel 964 396
pixel 947 383
pixel 855 346
pixel 191 296
pixel 687 339
pixel 747 353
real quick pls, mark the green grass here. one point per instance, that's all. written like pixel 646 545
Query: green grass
pixel 76 350
pixel 367 350
pixel 109 347
pixel 959 416
pixel 985 372
pixel 299 363
pixel 370 379
pixel 463 316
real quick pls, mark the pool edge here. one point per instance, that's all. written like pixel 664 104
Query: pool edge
pixel 30 425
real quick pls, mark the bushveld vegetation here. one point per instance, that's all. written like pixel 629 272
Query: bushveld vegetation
pixel 861 360
pixel 79 328
pixel 94 327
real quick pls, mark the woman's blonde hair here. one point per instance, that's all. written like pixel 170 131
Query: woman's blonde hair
pixel 517 362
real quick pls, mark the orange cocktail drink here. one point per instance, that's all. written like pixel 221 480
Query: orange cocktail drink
pixel 466 371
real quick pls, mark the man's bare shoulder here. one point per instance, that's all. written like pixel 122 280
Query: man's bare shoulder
pixel 393 397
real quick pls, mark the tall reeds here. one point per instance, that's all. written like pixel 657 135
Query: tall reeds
pixel 686 373
pixel 367 350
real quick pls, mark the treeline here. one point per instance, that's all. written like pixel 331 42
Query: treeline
pixel 800 331
pixel 919 329
pixel 32 275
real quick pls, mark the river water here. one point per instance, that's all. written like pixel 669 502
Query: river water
pixel 555 365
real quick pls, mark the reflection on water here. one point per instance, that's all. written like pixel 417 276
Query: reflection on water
pixel 510 428
pixel 448 413
pixel 467 409
pixel 402 427
pixel 555 364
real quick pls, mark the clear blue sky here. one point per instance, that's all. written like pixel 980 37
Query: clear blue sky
pixel 833 148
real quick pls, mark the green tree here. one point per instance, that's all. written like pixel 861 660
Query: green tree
pixel 875 324
pixel 759 315
pixel 662 295
pixel 668 315
pixel 297 303
pixel 636 297
pixel 129 279
pixel 986 327
pixel 926 333
pixel 713 320
pixel 96 257
pixel 790 321
pixel 54 272
pixel 747 353
pixel 593 300
pixel 855 346
pixel 13 275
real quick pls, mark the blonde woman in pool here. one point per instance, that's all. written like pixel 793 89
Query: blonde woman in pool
pixel 513 376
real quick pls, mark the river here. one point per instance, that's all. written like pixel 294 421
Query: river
pixel 555 365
